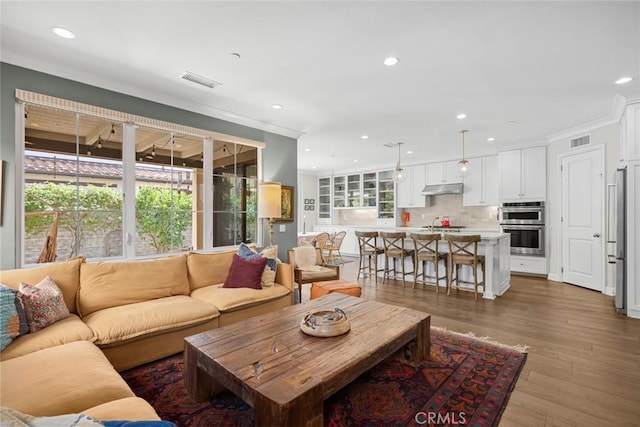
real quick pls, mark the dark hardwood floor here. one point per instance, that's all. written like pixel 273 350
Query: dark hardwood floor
pixel 583 365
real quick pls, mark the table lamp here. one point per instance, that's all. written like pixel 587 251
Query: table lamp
pixel 270 204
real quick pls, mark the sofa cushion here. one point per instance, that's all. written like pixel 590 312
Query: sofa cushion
pixel 13 320
pixel 66 274
pixel 13 418
pixel 245 273
pixel 61 380
pixel 231 299
pixel 318 272
pixel 43 304
pixel 63 332
pixel 111 284
pixel 116 325
pixel 206 269
pixel 129 408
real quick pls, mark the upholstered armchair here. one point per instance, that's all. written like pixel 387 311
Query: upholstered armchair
pixel 308 266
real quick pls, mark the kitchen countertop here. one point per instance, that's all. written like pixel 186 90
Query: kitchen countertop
pixel 487 235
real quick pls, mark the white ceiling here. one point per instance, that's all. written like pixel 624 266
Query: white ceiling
pixel 547 66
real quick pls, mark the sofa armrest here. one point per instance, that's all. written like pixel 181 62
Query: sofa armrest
pixel 284 276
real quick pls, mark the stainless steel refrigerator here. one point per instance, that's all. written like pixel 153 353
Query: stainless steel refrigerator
pixel 617 230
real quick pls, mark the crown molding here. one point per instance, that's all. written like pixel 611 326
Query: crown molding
pixel 61 70
pixel 617 110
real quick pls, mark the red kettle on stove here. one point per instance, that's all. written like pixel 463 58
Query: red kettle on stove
pixel 445 221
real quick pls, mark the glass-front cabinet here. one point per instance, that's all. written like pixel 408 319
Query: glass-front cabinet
pixel 386 196
pixel 354 192
pixel 339 192
pixel 369 190
pixel 324 200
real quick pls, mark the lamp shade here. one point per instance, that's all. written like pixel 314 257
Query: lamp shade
pixel 269 200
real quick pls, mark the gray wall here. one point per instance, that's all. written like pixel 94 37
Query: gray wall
pixel 279 158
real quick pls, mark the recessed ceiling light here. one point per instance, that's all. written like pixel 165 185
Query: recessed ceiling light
pixel 63 32
pixel 313 167
pixel 355 161
pixel 491 139
pixel 623 80
pixel 276 107
pixel 391 61
pixel 365 136
pixel 307 149
pixel 410 152
pixel 461 116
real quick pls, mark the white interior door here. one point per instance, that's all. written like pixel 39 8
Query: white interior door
pixel 582 236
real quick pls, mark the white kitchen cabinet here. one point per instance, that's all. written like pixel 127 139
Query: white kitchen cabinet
pixel 631 144
pixel 386 198
pixel 633 239
pixel 408 191
pixel 354 191
pixel 528 264
pixel 481 186
pixel 324 200
pixel 369 189
pixel 442 173
pixel 339 191
pixel 523 174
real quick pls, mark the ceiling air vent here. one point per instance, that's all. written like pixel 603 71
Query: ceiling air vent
pixel 187 75
pixel 579 142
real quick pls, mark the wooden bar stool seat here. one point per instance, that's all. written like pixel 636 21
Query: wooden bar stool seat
pixel 394 250
pixel 426 250
pixel 369 251
pixel 463 250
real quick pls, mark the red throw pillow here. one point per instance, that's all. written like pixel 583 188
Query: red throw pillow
pixel 245 273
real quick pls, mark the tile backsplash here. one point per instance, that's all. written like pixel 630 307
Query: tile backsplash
pixel 450 205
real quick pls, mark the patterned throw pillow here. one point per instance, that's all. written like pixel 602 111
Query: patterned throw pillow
pixel 43 303
pixel 271 253
pixel 245 273
pixel 13 320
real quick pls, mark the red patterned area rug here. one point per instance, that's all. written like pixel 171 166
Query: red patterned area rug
pixel 466 381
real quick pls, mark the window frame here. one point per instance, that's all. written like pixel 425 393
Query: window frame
pixel 128 178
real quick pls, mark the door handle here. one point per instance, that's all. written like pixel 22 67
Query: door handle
pixel 596 234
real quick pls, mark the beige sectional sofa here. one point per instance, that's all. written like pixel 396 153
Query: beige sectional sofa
pixel 123 314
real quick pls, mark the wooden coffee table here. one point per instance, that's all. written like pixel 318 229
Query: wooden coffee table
pixel 284 374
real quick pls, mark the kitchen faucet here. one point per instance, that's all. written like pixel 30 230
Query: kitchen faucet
pixel 432 221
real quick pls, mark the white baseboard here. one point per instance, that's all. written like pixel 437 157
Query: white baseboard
pixel 554 277
pixel 609 290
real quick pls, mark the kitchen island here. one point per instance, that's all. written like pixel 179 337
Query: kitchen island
pixel 495 246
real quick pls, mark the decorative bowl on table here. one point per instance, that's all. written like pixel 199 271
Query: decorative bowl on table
pixel 326 323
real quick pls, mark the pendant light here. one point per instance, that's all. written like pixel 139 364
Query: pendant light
pixel 400 174
pixel 463 165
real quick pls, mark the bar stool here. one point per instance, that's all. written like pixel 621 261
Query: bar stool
pixel 463 250
pixel 393 243
pixel 368 245
pixel 426 250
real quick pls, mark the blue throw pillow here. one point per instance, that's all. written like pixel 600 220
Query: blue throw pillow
pixel 245 252
pixel 13 320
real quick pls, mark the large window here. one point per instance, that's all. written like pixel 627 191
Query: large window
pixel 72 188
pixel 235 182
pixel 78 170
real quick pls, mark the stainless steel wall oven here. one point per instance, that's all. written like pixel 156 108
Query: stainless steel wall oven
pixel 525 222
